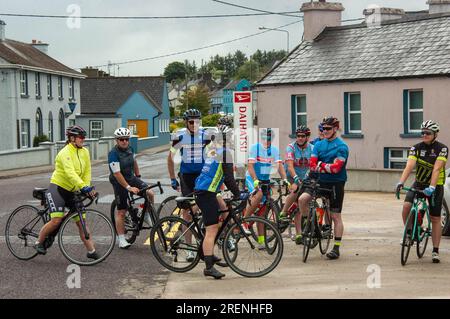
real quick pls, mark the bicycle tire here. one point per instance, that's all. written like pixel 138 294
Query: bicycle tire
pixel 406 243
pixel 168 207
pixel 16 238
pixel 324 247
pixel 308 234
pixel 171 225
pixel 244 239
pixel 103 236
pixel 272 214
pixel 220 246
pixel 130 232
pixel 422 240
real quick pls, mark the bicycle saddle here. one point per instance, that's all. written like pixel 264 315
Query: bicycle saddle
pixel 39 193
pixel 185 202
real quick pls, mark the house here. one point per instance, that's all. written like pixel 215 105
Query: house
pixel 140 103
pixel 381 78
pixel 216 101
pixel 232 86
pixel 38 95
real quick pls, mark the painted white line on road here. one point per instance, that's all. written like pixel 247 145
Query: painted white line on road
pixel 4 214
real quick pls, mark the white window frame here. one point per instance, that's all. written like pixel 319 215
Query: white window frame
pixel 350 112
pixel 92 129
pixel 413 111
pixel 403 159
pixel 60 87
pixel 23 83
pixel 49 86
pixel 37 84
pixel 297 113
pixel 71 89
pixel 25 135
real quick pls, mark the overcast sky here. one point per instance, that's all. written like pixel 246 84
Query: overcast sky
pixel 98 41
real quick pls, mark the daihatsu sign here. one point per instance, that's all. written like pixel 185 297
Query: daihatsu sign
pixel 243 123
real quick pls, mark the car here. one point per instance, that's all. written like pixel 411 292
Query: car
pixel 445 215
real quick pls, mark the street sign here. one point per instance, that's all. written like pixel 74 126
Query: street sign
pixel 243 124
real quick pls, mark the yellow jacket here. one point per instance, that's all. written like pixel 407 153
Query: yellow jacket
pixel 72 168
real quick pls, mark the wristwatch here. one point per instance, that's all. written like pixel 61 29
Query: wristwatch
pixel 128 187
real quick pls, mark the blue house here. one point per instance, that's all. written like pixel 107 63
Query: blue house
pixel 216 101
pixel 234 85
pixel 139 103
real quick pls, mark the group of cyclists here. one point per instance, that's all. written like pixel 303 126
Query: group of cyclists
pixel 207 166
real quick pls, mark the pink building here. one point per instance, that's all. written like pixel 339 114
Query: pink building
pixel 381 78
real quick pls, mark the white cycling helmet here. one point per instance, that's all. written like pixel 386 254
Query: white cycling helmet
pixel 122 132
pixel 430 125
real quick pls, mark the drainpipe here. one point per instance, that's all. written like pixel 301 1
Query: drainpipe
pixel 154 117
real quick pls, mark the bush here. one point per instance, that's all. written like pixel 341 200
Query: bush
pixel 210 120
pixel 39 139
pixel 175 126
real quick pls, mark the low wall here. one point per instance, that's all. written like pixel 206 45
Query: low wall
pixel 31 157
pixel 374 180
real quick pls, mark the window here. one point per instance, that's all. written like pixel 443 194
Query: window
pixel 50 126
pixel 62 133
pixel 352 107
pixel 71 89
pixel 60 87
pixel 96 129
pixel 298 105
pixel 49 86
pixel 413 110
pixel 23 83
pixel 37 84
pixel 25 134
pixel 39 130
pixel 396 158
pixel 71 122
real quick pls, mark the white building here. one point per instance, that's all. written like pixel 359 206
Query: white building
pixel 38 95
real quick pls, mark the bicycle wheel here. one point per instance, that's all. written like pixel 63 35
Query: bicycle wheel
pixel 407 238
pixel 308 234
pixel 168 207
pixel 325 241
pixel 230 245
pixel 168 241
pixel 272 214
pixel 22 231
pixel 422 237
pixel 101 235
pixel 131 231
pixel 253 259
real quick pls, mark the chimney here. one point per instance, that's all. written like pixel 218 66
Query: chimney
pixel 318 15
pixel 375 15
pixel 439 6
pixel 43 47
pixel 2 30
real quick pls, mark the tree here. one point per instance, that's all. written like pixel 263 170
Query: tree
pixel 175 71
pixel 250 71
pixel 196 98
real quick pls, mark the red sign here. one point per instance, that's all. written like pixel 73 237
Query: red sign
pixel 243 97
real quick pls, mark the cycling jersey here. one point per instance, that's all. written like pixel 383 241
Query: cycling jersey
pixel 218 169
pixel 263 159
pixel 121 160
pixel 72 168
pixel 300 157
pixel 425 156
pixel 192 149
pixel 316 140
pixel 331 152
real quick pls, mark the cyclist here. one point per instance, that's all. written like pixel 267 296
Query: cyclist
pixel 429 158
pixel 329 157
pixel 319 135
pixel 297 159
pixel 125 177
pixel 218 169
pixel 72 173
pixel 191 142
pixel 261 159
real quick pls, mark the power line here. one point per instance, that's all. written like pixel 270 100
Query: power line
pixel 146 17
pixel 257 10
pixel 192 50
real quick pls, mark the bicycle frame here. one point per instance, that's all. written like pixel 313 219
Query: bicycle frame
pixel 420 203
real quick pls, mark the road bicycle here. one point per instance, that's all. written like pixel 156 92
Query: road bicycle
pixel 77 227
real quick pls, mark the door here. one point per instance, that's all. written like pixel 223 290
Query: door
pixel 138 127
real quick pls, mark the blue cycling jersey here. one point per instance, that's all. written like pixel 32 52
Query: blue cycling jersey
pixel 192 149
pixel 327 151
pixel 263 159
pixel 212 176
pixel 300 157
pixel 121 160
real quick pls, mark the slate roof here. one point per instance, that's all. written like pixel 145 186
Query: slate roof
pixel 107 95
pixel 414 46
pixel 20 53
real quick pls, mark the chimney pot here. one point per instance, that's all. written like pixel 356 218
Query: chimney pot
pixel 318 15
pixel 2 30
pixel 439 6
pixel 375 15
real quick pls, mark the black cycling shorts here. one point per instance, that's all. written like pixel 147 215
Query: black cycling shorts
pixel 187 183
pixel 336 196
pixel 435 210
pixel 209 206
pixel 57 199
pixel 121 193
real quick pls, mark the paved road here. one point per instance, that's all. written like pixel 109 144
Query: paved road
pixel 132 273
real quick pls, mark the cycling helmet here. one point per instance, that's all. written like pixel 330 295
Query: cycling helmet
pixel 303 129
pixel 430 125
pixel 225 120
pixel 330 120
pixel 225 130
pixel 75 130
pixel 122 132
pixel 267 134
pixel 192 114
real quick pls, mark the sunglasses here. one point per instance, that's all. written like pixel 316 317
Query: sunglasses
pixel 327 128
pixel 301 135
pixel 191 122
pixel 426 133
pixel 123 139
pixel 81 137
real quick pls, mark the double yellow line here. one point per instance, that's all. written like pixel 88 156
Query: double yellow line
pixel 172 232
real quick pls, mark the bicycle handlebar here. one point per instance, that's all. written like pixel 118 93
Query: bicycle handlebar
pixel 81 197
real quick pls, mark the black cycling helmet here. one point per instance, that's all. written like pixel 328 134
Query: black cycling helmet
pixel 303 129
pixel 75 130
pixel 192 114
pixel 331 121
pixel 225 120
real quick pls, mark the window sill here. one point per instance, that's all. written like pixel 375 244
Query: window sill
pixel 61 98
pixel 38 97
pixel 49 97
pixel 353 135
pixel 24 96
pixel 410 135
